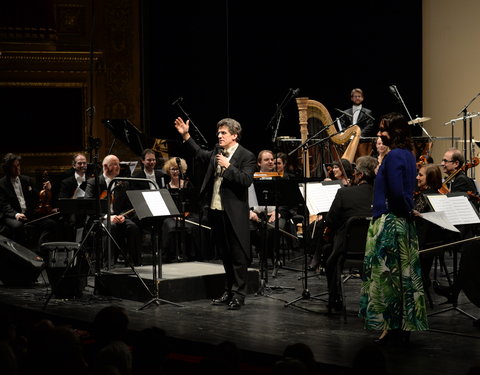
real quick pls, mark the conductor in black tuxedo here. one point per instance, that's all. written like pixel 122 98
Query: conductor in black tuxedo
pixel 19 200
pixel 357 114
pixel 229 173
pixel 123 229
pixel 349 201
pixel 149 161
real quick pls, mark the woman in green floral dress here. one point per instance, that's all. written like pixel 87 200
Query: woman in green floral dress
pixel 392 297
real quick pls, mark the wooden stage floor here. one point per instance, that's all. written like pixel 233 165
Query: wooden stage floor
pixel 264 326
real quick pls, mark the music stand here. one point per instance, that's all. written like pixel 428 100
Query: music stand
pixel 151 205
pixel 464 218
pixel 80 206
pixel 275 192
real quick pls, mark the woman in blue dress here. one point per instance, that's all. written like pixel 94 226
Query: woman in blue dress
pixel 392 297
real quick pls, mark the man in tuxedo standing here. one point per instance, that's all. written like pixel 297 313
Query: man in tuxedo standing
pixel 229 173
pixel 357 114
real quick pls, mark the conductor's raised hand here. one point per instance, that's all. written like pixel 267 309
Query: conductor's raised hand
pixel 182 128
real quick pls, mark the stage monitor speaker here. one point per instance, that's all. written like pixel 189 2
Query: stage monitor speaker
pixel 18 265
pixel 65 283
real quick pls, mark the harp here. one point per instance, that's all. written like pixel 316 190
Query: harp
pixel 312 110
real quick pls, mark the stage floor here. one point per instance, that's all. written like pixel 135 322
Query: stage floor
pixel 264 326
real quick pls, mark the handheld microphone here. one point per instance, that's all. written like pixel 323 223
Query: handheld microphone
pixel 177 101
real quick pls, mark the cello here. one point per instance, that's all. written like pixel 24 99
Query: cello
pixel 444 189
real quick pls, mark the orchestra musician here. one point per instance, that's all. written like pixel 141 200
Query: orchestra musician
pixel 357 114
pixel 225 189
pixel 316 226
pixel 19 199
pixel 452 164
pixel 149 162
pixel 124 230
pixel 181 190
pixel 382 150
pixel 265 163
pixel 458 181
pixel 429 180
pixel 392 296
pixel 355 200
pixel 74 186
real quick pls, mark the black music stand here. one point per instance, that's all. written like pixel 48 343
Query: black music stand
pixel 152 205
pixel 455 289
pixel 80 206
pixel 275 192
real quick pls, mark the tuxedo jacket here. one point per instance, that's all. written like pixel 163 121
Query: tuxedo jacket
pixel 364 122
pixel 121 203
pixel 349 201
pixel 9 201
pixel 161 178
pixel 234 188
pixel 462 183
pixel 68 186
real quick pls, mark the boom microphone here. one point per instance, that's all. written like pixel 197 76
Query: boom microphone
pixel 179 100
pixel 295 92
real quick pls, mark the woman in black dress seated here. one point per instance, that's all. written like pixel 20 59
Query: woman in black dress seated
pixel 177 244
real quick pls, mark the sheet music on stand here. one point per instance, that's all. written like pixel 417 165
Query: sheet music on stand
pixel 320 195
pixel 457 209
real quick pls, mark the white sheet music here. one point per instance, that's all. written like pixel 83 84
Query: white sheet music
pixel 320 196
pixel 155 203
pixel 439 218
pixel 458 209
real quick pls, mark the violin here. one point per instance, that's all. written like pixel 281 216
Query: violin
pixel 422 160
pixel 44 198
pixel 444 189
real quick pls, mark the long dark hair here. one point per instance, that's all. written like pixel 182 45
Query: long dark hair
pixel 398 129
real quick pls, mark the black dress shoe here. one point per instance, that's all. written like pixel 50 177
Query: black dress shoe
pixel 225 299
pixel 235 304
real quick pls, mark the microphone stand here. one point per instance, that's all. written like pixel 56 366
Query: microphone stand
pixel 465 116
pixel 305 146
pixel 399 97
pixel 202 141
pixel 278 115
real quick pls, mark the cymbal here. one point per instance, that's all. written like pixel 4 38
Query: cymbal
pixel 419 120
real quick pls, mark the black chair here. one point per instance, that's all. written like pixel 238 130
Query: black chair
pixel 350 261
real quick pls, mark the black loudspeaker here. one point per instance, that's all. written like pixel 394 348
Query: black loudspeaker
pixel 18 265
pixel 65 282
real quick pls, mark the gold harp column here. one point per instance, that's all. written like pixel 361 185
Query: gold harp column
pixel 302 104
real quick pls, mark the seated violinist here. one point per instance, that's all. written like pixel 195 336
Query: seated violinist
pixel 20 203
pixel 125 232
pixel 457 180
pixel 355 200
pixel 429 181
